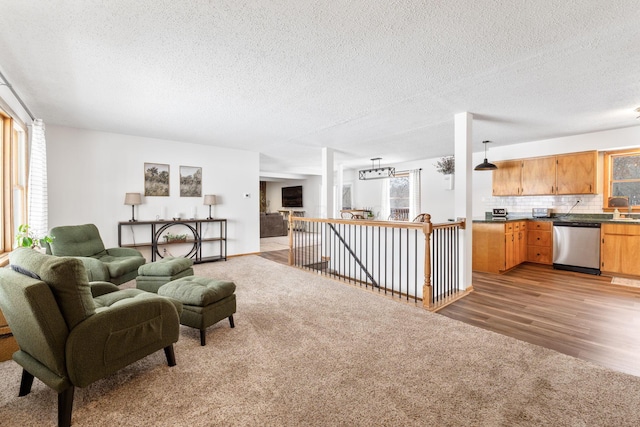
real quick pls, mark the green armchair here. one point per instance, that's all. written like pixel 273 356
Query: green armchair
pixel 72 333
pixel 115 265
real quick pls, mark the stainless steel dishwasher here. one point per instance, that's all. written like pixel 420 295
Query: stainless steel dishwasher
pixel 576 246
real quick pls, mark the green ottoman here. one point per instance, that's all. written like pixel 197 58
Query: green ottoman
pixel 204 301
pixel 152 276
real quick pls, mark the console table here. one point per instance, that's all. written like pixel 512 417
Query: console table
pixel 157 229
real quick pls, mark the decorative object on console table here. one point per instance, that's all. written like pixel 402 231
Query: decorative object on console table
pixel 132 199
pixel 210 200
pixel 175 238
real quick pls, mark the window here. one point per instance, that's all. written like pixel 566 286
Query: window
pixel 622 180
pixel 399 197
pixel 346 196
pixel 13 180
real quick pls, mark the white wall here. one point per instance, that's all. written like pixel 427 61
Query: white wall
pixel 310 195
pixel 89 173
pixel 439 202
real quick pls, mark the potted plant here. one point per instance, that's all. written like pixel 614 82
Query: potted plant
pixel 27 239
pixel 447 166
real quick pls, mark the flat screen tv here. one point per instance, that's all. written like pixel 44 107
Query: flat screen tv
pixel 292 197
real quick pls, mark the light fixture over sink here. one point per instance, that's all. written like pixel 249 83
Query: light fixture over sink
pixel 485 166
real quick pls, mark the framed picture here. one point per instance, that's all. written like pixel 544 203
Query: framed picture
pixel 156 179
pixel 190 181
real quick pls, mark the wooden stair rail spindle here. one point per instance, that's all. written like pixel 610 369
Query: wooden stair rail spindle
pixel 427 289
pixel 290 224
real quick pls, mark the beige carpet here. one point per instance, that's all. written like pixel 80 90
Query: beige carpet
pixel 309 351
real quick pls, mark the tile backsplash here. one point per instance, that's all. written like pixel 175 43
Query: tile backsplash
pixel 589 203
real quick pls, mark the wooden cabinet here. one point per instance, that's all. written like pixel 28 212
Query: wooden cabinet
pixel 577 173
pixel 620 249
pixel 498 247
pixel 522 242
pixel 506 179
pixel 509 249
pixel 539 176
pixel 573 173
pixel 540 242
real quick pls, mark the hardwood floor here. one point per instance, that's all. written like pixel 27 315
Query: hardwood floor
pixel 576 314
pixel 281 256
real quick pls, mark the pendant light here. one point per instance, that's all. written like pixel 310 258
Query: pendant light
pixel 485 166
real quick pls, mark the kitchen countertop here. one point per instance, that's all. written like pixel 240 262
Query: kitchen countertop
pixel 601 218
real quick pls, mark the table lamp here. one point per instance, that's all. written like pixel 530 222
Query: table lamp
pixel 210 200
pixel 132 199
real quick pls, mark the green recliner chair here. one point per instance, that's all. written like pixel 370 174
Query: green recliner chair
pixel 72 332
pixel 115 265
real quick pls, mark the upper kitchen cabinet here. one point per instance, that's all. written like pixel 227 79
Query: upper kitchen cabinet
pixel 506 179
pixel 574 173
pixel 539 176
pixel 577 173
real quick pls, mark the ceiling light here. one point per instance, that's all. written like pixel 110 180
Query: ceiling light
pixel 485 166
pixel 377 173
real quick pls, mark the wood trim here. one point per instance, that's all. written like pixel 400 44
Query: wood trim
pixel 385 224
pixel 606 176
pixel 6 206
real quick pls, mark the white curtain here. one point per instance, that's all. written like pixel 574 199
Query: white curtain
pixel 415 205
pixel 385 208
pixel 38 206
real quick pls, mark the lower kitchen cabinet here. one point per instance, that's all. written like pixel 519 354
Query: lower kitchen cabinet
pixel 498 247
pixel 620 249
pixel 540 242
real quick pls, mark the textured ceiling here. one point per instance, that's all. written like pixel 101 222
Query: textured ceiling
pixel 369 78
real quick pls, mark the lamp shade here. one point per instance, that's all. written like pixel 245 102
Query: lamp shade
pixel 485 166
pixel 132 199
pixel 209 199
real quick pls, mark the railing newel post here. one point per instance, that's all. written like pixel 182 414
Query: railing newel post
pixel 427 289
